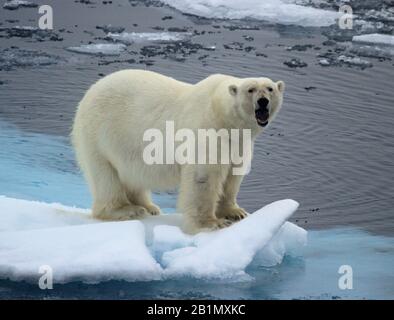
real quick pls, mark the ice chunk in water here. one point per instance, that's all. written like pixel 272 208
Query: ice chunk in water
pixel 354 61
pixel 106 49
pixel 16 4
pixel 276 11
pixel 375 38
pixel 129 38
pixel 288 240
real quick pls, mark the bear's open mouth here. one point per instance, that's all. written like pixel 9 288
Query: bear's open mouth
pixel 262 117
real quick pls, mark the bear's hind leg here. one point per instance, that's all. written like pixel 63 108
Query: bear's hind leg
pixel 110 201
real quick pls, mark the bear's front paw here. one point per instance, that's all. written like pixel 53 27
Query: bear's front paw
pixel 153 209
pixel 127 212
pixel 215 224
pixel 232 213
pixel 192 226
pixel 221 223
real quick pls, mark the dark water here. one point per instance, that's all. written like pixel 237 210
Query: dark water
pixel 331 148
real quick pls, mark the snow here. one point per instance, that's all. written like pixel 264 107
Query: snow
pixel 276 11
pixel 78 247
pixel 375 38
pixel 130 37
pixel 106 49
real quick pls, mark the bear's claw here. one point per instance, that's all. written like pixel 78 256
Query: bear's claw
pixel 234 214
pixel 223 223
pixel 153 209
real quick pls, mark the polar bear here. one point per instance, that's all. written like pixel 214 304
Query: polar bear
pixel 108 133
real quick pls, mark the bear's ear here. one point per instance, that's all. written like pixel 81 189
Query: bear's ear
pixel 233 89
pixel 281 86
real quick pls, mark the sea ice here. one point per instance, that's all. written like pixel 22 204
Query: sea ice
pixel 130 37
pixel 78 247
pixel 16 4
pixel 354 61
pixel 226 253
pixel 375 38
pixel 106 49
pixel 373 51
pixel 99 252
pixel 276 11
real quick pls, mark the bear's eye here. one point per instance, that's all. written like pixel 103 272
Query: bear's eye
pixel 270 89
pixel 251 90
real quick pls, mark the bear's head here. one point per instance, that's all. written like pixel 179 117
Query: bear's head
pixel 257 100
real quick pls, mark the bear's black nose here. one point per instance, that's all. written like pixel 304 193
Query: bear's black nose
pixel 263 103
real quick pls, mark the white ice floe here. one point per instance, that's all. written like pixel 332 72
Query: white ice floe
pixel 375 38
pixel 276 11
pixel 373 51
pixel 16 4
pixel 107 49
pixel 104 251
pixel 78 247
pixel 354 61
pixel 324 62
pixel 131 37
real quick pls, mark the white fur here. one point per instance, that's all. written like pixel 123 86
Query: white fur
pixel 107 136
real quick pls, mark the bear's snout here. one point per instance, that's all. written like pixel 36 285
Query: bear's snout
pixel 263 103
pixel 262 112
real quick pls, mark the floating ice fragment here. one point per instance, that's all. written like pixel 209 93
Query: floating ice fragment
pixel 324 62
pixel 288 240
pixel 375 38
pixel 106 49
pixel 354 61
pixel 109 28
pixel 373 51
pixel 129 38
pixel 16 4
pixel 276 11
